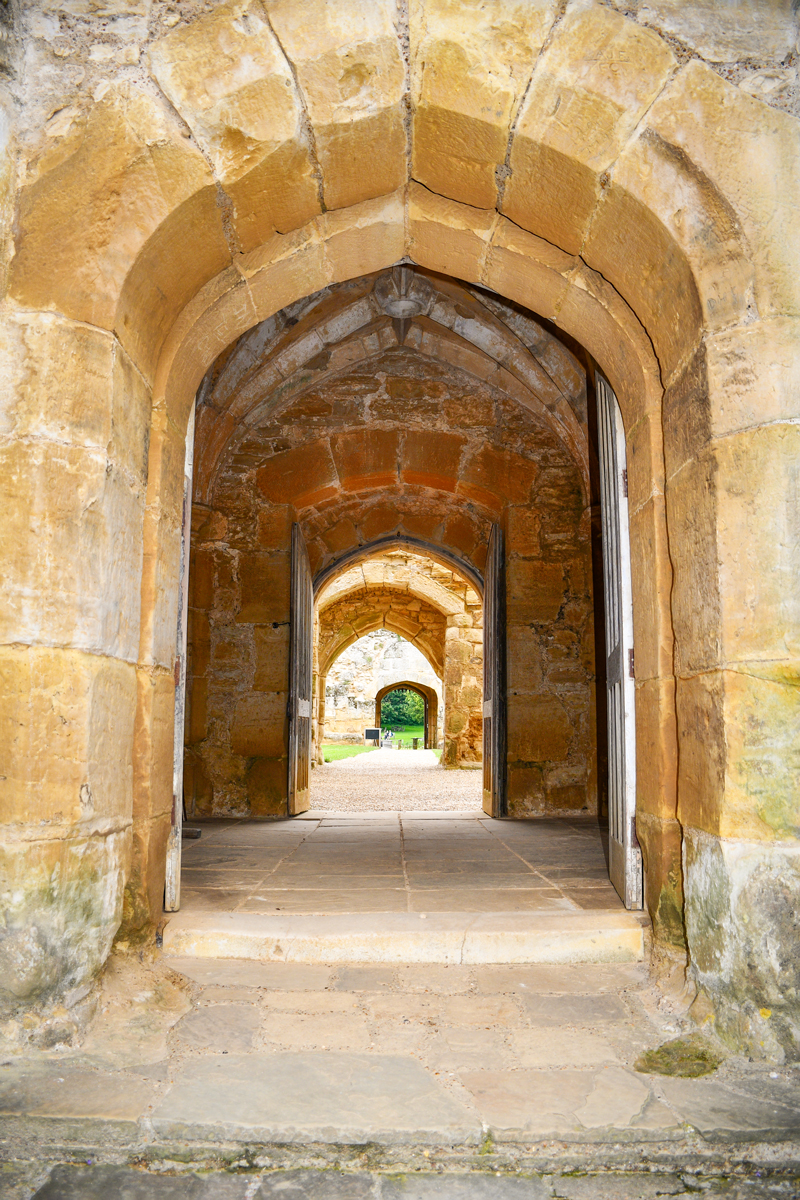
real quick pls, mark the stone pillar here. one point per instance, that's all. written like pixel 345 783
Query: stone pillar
pixel 74 464
pixel 463 689
pixel 734 512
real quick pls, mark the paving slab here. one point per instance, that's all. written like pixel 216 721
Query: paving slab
pixel 101 1181
pixel 317 1185
pixel 558 1011
pixel 614 1186
pixel 464 1187
pixel 104 1182
pixel 55 1090
pixel 560 1048
pixel 326 1031
pixel 220 1028
pixel 588 1105
pixel 725 1113
pixel 365 979
pixel 591 979
pixel 362 900
pixel 236 972
pixel 313 1097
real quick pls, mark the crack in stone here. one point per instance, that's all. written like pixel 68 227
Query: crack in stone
pixel 306 127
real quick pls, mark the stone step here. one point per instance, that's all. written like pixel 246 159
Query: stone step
pixel 470 938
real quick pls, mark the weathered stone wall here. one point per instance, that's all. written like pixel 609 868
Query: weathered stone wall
pixel 626 170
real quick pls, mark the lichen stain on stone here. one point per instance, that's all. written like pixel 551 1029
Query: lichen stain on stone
pixel 751 964
pixel 61 913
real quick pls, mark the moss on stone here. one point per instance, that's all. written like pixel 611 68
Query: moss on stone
pixel 688 1057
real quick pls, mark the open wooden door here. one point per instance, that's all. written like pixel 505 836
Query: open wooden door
pixel 172 883
pixel 625 857
pixel 301 653
pixel 494 678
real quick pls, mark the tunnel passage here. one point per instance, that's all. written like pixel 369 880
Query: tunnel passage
pixel 370 432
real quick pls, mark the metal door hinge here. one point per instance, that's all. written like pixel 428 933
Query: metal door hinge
pixel 631 671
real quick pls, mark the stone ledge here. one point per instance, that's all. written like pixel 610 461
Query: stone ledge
pixel 468 938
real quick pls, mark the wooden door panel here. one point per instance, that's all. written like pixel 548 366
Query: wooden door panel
pixel 494 678
pixel 301 651
pixel 625 858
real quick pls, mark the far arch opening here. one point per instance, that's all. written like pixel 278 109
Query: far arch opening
pixel 398 594
pixel 430 709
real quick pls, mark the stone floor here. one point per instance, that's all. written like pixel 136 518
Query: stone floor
pixel 397 862
pixel 241 1078
pixel 415 887
pixel 221 1078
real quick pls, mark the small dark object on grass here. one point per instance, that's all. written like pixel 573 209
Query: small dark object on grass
pixel 688 1057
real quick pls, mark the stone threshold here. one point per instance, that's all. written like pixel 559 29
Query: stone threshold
pixel 598 936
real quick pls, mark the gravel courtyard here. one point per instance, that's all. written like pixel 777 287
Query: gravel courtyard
pixel 396 780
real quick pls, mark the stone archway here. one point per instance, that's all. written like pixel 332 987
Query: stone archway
pixel 426 595
pixel 431 722
pixel 652 243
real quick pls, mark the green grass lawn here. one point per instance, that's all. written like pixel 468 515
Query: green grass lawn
pixel 407 731
pixel 334 753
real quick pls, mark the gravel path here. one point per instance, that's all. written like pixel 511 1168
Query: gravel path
pixel 393 780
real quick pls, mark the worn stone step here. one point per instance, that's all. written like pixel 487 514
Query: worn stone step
pixel 597 936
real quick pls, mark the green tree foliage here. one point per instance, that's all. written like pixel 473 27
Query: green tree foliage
pixel 402 707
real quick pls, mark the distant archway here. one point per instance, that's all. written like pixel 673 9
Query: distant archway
pixel 431 707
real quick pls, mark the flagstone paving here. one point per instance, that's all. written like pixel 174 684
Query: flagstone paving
pixel 527 1070
pixel 238 1077
pixel 421 862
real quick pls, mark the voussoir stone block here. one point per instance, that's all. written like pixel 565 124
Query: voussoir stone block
pixel 352 76
pixel 733 222
pixel 598 75
pixel 92 203
pixel 470 67
pixel 227 77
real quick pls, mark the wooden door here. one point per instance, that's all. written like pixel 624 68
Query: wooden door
pixel 172 883
pixel 301 653
pixel 494 678
pixel 625 857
